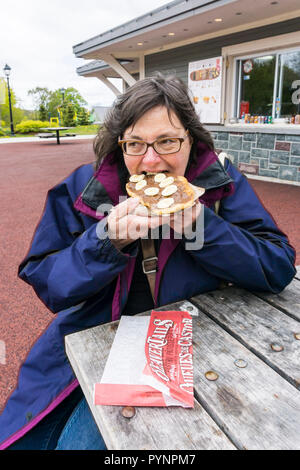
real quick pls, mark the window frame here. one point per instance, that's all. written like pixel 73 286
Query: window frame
pixel 273 45
pixel 238 77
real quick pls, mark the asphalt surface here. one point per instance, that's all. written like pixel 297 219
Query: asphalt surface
pixel 28 169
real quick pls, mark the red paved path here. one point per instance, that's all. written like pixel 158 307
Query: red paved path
pixel 27 171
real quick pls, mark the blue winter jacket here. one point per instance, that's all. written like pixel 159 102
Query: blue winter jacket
pixel 76 271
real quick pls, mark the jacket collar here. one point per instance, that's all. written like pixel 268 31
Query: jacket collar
pixel 104 189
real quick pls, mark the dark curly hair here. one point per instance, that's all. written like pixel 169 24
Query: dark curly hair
pixel 128 108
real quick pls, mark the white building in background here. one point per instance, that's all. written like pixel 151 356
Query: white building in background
pixel 99 113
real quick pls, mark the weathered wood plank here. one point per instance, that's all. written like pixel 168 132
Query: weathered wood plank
pixel 257 325
pixel 254 405
pixel 150 428
pixel 288 300
pixel 297 276
pixel 185 305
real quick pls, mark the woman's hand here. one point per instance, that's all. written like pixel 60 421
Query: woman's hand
pixel 129 221
pixel 184 222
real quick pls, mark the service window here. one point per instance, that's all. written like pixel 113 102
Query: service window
pixel 288 74
pixel 266 85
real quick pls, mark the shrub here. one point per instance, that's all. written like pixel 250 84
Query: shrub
pixel 31 126
pixel 4 131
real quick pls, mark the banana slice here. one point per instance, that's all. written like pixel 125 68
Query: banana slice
pixel 164 203
pixel 172 194
pixel 165 182
pixel 140 185
pixel 171 189
pixel 151 191
pixel 136 178
pixel 159 177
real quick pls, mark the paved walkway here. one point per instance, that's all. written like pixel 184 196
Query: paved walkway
pixel 27 171
pixel 14 140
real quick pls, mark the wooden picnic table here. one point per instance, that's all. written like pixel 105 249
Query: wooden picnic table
pixel 250 340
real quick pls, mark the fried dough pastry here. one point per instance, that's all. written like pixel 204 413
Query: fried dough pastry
pixel 163 193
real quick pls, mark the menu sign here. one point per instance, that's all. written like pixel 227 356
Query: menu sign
pixel 205 84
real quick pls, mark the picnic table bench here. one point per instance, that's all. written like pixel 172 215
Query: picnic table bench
pixel 54 132
pixel 250 342
pixel 48 135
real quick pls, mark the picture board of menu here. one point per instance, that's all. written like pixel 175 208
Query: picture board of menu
pixel 205 84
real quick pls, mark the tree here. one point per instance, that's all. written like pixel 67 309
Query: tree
pixel 54 101
pixel 68 115
pixel 40 96
pixel 83 117
pixel 43 113
pixel 73 96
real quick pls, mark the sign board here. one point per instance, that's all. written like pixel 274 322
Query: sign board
pixel 205 84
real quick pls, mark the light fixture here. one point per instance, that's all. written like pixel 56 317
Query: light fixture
pixel 171 34
pixel 7 70
pixel 218 20
pixel 139 43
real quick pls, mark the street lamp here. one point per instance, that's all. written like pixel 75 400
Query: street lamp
pixel 62 90
pixel 7 70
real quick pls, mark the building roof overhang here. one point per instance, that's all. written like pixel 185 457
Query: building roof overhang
pixel 183 20
pixel 176 24
pixel 98 68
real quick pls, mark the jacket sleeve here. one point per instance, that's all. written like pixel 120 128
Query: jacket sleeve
pixel 66 264
pixel 243 244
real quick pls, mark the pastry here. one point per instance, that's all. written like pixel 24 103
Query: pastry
pixel 163 193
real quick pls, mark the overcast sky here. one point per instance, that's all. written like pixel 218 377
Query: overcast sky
pixel 37 37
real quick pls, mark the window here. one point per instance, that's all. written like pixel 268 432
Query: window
pixel 266 84
pixel 288 73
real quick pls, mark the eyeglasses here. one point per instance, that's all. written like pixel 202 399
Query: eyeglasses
pixel 162 146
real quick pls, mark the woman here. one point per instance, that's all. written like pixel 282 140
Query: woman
pixel 85 261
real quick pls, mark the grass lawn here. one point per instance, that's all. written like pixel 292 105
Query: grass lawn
pixel 91 129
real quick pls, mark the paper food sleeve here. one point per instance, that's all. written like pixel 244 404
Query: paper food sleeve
pixel 150 362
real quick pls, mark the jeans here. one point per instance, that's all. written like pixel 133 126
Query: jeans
pixel 70 426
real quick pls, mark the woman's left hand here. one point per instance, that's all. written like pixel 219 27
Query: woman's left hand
pixel 184 221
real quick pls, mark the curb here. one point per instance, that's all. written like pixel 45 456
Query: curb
pixel 13 140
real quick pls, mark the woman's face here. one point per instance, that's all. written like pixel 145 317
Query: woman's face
pixel 155 124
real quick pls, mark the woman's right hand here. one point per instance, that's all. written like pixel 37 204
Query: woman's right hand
pixel 129 221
